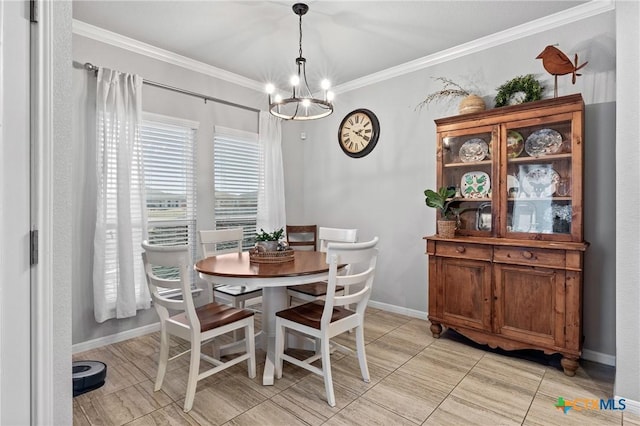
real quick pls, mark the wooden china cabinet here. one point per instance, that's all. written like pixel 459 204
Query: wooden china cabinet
pixel 512 275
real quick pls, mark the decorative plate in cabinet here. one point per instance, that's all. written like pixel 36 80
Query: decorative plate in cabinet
pixel 475 185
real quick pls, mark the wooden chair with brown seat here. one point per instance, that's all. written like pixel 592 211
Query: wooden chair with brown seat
pixel 325 319
pixel 318 290
pixel 302 237
pixel 169 267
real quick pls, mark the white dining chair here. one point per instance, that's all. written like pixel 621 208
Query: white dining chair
pixel 221 241
pixel 318 290
pixel 325 319
pixel 169 267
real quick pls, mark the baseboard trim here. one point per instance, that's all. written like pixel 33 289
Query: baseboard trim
pixel 599 357
pixel 631 406
pixel 587 354
pixel 115 338
pixel 397 309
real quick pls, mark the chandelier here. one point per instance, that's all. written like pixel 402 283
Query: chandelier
pixel 302 105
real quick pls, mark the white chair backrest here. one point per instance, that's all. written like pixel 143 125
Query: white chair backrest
pixel 221 241
pixel 336 235
pixel 363 255
pixel 168 267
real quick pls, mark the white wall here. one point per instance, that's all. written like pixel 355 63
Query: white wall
pixel 59 252
pixel 382 193
pixel 627 383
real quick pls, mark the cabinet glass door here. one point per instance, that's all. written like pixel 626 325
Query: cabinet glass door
pixel 539 175
pixel 467 167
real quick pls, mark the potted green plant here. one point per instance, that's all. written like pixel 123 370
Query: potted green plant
pixel 442 200
pixel 269 241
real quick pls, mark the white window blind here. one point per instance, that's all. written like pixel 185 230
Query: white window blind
pixel 236 168
pixel 168 154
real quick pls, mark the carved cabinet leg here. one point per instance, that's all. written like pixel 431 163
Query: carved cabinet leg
pixel 570 365
pixel 436 329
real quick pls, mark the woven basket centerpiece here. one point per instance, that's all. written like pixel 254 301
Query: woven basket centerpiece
pixel 276 256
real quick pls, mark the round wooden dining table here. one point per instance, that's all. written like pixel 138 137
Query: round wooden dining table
pixel 238 270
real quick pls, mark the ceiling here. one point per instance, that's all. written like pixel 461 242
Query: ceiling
pixel 342 40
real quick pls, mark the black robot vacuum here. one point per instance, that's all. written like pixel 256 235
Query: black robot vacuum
pixel 88 375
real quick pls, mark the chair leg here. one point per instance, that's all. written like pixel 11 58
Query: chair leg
pixel 162 359
pixel 362 357
pixel 215 349
pixel 251 348
pixel 194 367
pixel 237 334
pixel 279 349
pixel 326 370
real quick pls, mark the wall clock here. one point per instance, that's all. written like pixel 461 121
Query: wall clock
pixel 358 133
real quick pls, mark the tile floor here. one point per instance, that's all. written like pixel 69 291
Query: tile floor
pixel 415 379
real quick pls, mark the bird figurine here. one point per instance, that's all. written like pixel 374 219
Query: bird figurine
pixel 557 63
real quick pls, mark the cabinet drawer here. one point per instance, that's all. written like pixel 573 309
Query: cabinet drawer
pixel 466 251
pixel 530 256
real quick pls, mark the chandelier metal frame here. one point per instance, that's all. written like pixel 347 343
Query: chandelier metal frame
pixel 302 105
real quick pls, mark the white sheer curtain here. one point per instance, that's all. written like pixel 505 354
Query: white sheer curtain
pixel 118 281
pixel 271 208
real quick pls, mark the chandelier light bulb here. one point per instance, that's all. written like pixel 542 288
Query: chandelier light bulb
pixel 325 84
pixel 278 99
pixel 306 103
pixel 295 80
pixel 270 88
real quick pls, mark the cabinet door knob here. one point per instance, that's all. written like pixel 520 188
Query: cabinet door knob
pixel 527 254
pixel 460 249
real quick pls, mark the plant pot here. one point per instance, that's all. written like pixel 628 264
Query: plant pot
pixel 472 103
pixel 267 245
pixel 446 228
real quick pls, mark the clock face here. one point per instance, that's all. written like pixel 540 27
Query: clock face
pixel 358 133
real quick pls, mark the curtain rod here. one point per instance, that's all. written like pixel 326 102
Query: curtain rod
pixel 90 67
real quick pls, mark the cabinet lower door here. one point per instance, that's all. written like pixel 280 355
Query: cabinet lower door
pixel 466 292
pixel 530 304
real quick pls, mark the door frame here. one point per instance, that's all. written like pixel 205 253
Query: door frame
pixel 15 295
pixel 43 353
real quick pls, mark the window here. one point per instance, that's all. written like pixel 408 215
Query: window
pixel 168 155
pixel 236 176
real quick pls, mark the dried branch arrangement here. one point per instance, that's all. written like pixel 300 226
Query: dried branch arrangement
pixel 450 90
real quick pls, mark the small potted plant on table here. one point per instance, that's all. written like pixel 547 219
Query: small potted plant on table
pixel 269 241
pixel 442 200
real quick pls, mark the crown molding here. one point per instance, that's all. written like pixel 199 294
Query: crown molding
pixel 587 10
pixel 108 37
pixel 546 23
